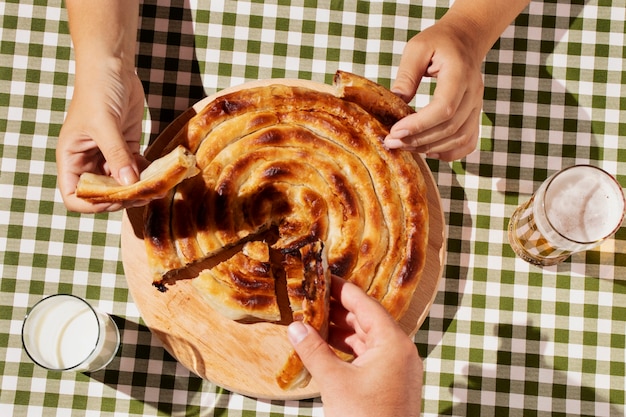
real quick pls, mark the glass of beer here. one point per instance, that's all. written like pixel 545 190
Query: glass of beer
pixel 63 332
pixel 574 210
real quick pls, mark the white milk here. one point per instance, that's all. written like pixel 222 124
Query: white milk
pixel 580 205
pixel 63 332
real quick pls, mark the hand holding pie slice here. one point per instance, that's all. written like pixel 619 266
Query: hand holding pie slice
pixel 154 182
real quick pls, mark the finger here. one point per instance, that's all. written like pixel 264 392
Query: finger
pixel 364 312
pixel 343 326
pixel 447 97
pixel 113 145
pixel 357 344
pixel 74 156
pixel 315 353
pixel 336 287
pixel 359 334
pixel 428 125
pixel 338 314
pixel 414 62
pixel 457 145
pixel 337 338
pixel 340 329
pixel 352 298
pixel 463 127
pixel 73 203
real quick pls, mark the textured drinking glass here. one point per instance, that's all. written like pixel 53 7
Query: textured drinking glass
pixel 574 210
pixel 63 332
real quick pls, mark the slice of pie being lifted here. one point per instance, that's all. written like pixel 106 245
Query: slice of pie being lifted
pixel 308 288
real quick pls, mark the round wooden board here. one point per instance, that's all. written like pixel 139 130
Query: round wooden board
pixel 244 358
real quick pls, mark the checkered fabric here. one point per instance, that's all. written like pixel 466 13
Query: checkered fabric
pixel 503 337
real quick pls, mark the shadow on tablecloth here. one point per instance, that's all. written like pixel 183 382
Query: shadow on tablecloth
pixel 523 380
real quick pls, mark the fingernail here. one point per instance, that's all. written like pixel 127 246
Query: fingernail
pixel 399 93
pixel 433 155
pixel 391 143
pixel 296 332
pixel 127 175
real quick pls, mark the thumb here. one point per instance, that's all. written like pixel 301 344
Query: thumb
pixel 119 158
pixel 315 353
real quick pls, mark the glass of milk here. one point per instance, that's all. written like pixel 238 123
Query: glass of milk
pixel 63 332
pixel 574 210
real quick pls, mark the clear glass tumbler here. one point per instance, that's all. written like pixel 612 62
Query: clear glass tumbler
pixel 574 210
pixel 63 332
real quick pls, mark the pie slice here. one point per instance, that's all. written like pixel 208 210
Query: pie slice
pixel 243 286
pixel 155 181
pixel 308 288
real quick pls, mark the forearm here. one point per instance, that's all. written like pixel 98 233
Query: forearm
pixel 103 29
pixel 482 22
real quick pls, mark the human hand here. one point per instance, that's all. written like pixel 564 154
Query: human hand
pixel 447 128
pixel 102 132
pixel 385 378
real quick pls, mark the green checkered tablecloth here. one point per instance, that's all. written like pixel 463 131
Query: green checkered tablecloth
pixel 502 338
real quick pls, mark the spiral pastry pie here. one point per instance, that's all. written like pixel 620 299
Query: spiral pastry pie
pixel 309 166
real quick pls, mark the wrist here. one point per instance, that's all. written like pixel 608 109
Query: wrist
pixel 104 31
pixel 104 78
pixel 481 22
pixel 468 32
pixel 101 63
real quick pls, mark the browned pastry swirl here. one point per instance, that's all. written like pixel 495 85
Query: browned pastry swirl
pixel 310 164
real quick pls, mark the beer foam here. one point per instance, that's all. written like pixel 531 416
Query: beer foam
pixel 584 204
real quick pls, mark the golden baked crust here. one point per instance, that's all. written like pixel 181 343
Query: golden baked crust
pixel 243 286
pixel 161 176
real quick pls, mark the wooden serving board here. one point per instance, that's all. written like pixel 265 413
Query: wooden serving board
pixel 244 358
